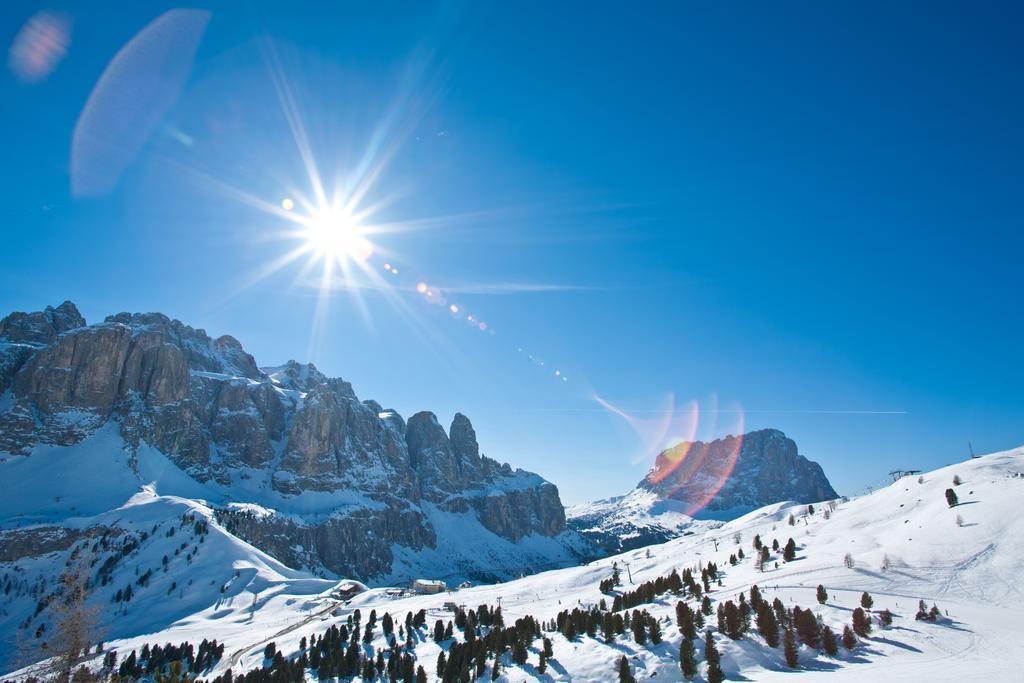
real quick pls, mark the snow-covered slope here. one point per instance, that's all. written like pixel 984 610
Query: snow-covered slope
pixel 637 519
pixel 904 544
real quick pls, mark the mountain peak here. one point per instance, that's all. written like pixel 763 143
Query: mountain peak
pixel 737 473
pixel 40 327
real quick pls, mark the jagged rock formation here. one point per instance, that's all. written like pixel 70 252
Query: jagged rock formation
pixel 340 483
pixel 737 473
pixel 720 479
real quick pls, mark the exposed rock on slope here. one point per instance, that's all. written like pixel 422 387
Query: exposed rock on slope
pixel 720 479
pixel 737 474
pixel 339 483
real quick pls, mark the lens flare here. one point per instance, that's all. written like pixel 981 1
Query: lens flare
pixel 686 469
pixel 40 46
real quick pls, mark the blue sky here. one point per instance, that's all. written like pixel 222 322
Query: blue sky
pixel 799 216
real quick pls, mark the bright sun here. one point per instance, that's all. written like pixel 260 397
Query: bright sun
pixel 333 234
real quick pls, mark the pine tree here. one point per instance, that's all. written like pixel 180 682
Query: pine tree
pixel 789 646
pixel 639 632
pixel 421 675
pixel 685 620
pixel 762 558
pixel 687 658
pixel 767 624
pixel 441 663
pixel 849 640
pixel 789 552
pixel 828 642
pixel 951 498
pixel 865 600
pixel 495 670
pixel 715 673
pixel 822 595
pixel 861 622
pixel 542 665
pixel 625 674
pixel 654 631
pixel 808 628
pixel 705 606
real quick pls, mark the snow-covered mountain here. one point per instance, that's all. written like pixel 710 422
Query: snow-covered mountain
pixel 637 519
pixel 902 545
pixel 696 480
pixel 286 458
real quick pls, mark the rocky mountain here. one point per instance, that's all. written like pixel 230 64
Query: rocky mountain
pixel 715 480
pixel 290 460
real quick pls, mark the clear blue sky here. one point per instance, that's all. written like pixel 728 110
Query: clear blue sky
pixel 795 208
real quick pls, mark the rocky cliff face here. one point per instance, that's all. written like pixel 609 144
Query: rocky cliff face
pixel 716 480
pixel 342 484
pixel 737 474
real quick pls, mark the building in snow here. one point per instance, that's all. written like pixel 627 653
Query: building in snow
pixel 346 589
pixel 427 587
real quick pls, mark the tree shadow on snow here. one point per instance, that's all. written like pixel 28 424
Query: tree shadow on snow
pixel 895 643
pixel 532 670
pixel 818 665
pixel 559 669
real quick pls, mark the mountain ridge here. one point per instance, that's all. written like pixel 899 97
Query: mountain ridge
pixel 353 480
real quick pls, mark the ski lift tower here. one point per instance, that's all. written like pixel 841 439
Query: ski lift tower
pixel 899 474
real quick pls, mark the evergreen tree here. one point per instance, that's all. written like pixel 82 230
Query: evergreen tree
pixel 496 669
pixel 865 600
pixel 639 632
pixel 951 498
pixel 733 622
pixel 684 618
pixel 625 674
pixel 687 658
pixel 808 628
pixel 421 675
pixel 849 640
pixel 828 642
pixel 789 552
pixel 789 647
pixel 822 595
pixel 654 631
pixel 767 624
pixel 762 558
pixel 861 622
pixel 542 665
pixel 705 606
pixel 441 663
pixel 715 673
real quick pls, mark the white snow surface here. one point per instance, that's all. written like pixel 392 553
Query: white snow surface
pixel 905 541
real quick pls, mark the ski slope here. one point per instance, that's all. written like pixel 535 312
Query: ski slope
pixel 904 540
